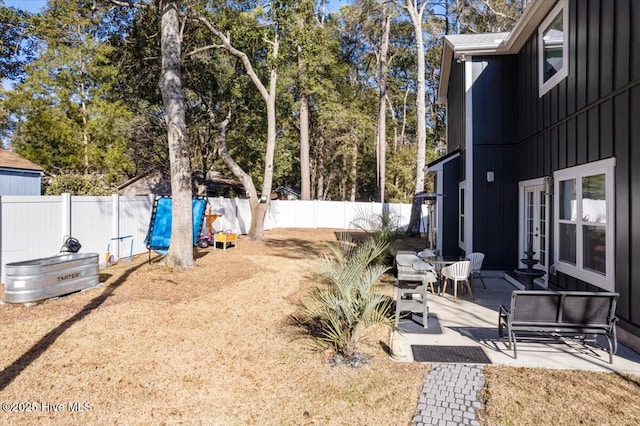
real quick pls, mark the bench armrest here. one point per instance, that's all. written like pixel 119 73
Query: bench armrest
pixel 503 312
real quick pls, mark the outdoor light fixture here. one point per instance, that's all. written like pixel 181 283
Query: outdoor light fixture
pixel 548 185
pixel 490 176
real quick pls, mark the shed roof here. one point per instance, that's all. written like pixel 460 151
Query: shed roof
pixel 11 160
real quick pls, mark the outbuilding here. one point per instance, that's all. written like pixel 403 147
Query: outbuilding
pixel 19 176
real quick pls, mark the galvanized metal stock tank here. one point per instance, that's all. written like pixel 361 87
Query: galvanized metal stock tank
pixel 39 279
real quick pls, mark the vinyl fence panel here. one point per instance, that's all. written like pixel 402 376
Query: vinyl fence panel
pixel 33 227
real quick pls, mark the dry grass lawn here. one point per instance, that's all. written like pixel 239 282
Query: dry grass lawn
pixel 213 345
pixel 534 396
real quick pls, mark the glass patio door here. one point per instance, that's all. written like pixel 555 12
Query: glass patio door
pixel 535 230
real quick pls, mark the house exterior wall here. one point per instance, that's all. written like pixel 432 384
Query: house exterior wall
pixel 453 171
pixel 495 204
pixel 19 182
pixel 591 115
pixel 456 108
pixel 450 173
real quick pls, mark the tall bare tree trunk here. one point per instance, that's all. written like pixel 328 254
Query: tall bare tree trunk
pixel 258 209
pixel 305 178
pixel 83 100
pixel 416 16
pixel 382 104
pixel 320 166
pixel 181 246
pixel 257 220
pixel 354 172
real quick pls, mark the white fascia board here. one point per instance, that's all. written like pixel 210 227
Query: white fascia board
pixel 468 193
pixel 529 21
pixel 438 165
pixel 445 71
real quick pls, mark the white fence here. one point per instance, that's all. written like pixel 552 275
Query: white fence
pixel 33 227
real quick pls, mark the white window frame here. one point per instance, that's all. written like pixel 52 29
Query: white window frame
pixel 545 86
pixel 606 167
pixel 462 222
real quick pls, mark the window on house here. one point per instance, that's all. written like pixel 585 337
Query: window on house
pixel 584 226
pixel 461 225
pixel 553 49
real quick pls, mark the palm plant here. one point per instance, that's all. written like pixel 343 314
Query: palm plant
pixel 383 226
pixel 347 305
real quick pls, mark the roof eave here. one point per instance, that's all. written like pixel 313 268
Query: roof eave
pixel 22 169
pixel 529 21
pixel 445 71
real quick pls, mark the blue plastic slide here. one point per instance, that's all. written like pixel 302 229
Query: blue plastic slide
pixel 159 233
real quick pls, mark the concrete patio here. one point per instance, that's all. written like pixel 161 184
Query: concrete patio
pixel 475 323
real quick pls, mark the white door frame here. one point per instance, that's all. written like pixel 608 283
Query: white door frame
pixel 540 187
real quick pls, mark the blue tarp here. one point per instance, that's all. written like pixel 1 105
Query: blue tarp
pixel 159 234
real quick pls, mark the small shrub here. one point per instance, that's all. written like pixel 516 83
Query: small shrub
pixel 77 184
pixel 337 313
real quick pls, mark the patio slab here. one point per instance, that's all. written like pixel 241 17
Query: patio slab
pixel 475 323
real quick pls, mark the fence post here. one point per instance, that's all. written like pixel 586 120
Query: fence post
pixel 66 216
pixel 115 225
pixel 235 215
pixel 1 247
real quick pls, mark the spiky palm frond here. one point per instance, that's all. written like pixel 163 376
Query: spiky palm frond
pixel 348 303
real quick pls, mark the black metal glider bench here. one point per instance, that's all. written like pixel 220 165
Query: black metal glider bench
pixel 557 314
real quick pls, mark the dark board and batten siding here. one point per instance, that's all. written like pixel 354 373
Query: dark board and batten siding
pixel 456 102
pixel 456 108
pixel 495 226
pixel 451 171
pixel 591 115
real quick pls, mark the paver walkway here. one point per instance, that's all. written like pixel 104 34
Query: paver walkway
pixel 451 395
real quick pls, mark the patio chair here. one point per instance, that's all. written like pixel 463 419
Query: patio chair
pixel 476 265
pixel 458 273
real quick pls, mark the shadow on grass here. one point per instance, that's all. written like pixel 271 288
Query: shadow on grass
pixel 10 373
pixel 303 249
pixel 156 258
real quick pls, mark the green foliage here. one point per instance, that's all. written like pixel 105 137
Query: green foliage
pixel 63 114
pixel 76 184
pixel 477 16
pixel 401 174
pixel 339 312
pixel 17 46
pixel 86 98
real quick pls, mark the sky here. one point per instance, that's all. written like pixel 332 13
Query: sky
pixel 36 5
pixel 28 5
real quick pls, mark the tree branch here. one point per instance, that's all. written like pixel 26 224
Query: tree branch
pixel 226 44
pixel 204 48
pixel 495 12
pixel 129 3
